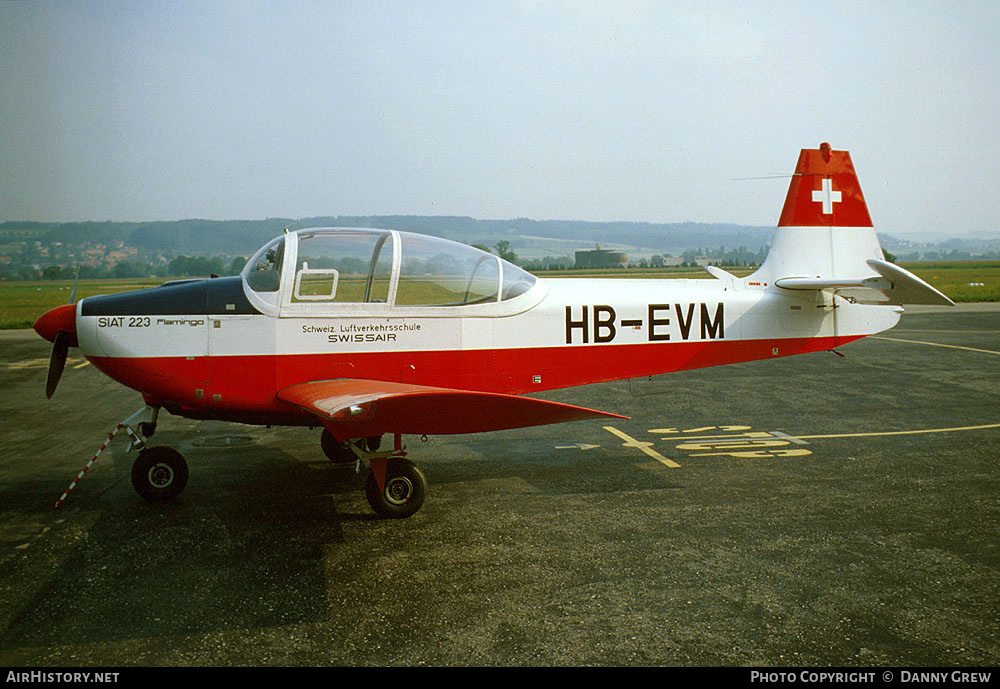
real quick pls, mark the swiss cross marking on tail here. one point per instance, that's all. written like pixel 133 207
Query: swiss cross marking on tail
pixel 827 196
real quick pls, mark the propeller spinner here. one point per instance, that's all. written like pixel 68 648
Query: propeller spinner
pixel 58 326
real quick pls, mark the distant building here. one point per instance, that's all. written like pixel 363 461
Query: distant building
pixel 601 258
pixel 92 257
pixel 128 253
pixel 706 261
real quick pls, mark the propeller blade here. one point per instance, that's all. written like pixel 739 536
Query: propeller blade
pixel 57 362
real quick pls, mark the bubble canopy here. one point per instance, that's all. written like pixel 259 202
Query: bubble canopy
pixel 331 271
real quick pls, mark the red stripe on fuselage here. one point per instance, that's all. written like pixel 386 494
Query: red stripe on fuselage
pixel 243 387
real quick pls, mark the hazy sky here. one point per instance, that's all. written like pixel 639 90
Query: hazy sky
pixel 543 109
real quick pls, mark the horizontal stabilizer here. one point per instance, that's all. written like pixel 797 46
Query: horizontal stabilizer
pixel 720 274
pixel 352 408
pixel 899 285
pixel 876 283
pixel 907 287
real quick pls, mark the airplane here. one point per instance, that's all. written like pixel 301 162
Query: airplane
pixel 368 332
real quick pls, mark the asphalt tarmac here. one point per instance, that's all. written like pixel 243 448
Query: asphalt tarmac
pixel 814 510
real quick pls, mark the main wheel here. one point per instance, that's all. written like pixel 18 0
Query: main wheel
pixel 405 489
pixel 159 473
pixel 336 451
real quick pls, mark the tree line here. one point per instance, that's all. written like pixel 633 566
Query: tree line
pixel 180 266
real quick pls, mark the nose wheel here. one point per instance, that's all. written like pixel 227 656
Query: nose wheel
pixel 159 473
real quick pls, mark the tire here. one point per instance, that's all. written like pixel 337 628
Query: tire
pixel 336 451
pixel 404 493
pixel 159 474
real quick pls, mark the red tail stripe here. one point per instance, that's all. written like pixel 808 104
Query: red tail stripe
pixel 824 192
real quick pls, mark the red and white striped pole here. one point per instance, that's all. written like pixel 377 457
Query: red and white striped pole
pixel 89 464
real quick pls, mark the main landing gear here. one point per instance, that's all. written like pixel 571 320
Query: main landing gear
pixel 395 487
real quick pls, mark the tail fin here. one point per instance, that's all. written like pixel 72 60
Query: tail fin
pixel 825 239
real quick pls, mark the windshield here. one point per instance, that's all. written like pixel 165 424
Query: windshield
pixel 263 270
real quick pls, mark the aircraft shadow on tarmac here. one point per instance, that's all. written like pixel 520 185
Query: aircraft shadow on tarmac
pixel 245 549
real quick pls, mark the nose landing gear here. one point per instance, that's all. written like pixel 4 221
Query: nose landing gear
pixel 158 473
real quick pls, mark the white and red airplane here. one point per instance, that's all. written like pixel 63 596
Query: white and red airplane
pixel 368 332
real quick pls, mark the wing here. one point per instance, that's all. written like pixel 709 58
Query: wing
pixel 360 408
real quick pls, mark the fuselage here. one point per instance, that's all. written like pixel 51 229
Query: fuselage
pixel 215 349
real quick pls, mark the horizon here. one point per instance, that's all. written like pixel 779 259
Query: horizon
pixel 615 112
pixel 929 237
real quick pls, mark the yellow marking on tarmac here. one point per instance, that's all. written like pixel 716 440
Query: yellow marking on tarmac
pixel 748 444
pixel 668 431
pixel 734 443
pixel 758 454
pixel 759 444
pixel 937 344
pixel 31 363
pixel 43 363
pixel 645 447
pixel 971 332
pixel 753 434
pixel 881 433
pixel 25 546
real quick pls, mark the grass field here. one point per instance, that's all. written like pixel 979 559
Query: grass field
pixel 959 280
pixel 22 302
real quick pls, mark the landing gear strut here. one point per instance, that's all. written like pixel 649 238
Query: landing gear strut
pixel 395 487
pixel 342 452
pixel 158 473
pixel 336 451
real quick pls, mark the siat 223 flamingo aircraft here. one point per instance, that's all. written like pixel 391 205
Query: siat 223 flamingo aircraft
pixel 369 332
